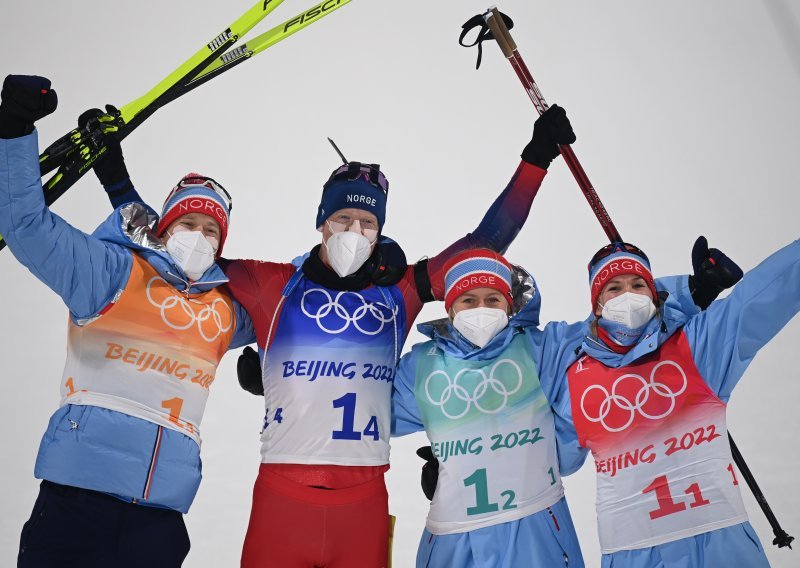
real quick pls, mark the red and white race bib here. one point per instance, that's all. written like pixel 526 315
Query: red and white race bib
pixel 660 445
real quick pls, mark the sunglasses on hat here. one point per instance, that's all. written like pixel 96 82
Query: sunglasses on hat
pixel 612 248
pixel 207 182
pixel 354 170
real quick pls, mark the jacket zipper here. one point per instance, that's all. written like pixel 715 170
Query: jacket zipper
pixel 558 528
pixel 153 461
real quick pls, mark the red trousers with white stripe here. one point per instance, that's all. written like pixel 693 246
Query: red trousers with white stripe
pixel 294 526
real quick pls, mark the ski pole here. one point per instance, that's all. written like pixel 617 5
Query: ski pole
pixel 76 152
pixel 781 537
pixel 509 48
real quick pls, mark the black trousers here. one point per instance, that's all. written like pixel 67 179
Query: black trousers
pixel 72 527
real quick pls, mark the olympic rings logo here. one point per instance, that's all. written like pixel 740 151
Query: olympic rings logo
pixel 178 313
pixel 456 391
pixel 332 317
pixel 614 401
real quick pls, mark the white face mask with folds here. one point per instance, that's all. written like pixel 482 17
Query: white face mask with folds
pixel 480 325
pixel 192 251
pixel 347 252
pixel 629 309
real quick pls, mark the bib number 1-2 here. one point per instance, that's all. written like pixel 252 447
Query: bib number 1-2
pixel 482 503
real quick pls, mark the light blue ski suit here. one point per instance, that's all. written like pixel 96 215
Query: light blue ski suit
pixel 88 446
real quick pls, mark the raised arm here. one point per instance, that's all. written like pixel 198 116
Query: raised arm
pixel 110 168
pixel 725 338
pixel 505 218
pixel 83 270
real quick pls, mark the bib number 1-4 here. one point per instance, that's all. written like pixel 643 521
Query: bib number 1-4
pixel 348 432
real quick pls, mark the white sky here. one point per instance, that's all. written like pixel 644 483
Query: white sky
pixel 686 114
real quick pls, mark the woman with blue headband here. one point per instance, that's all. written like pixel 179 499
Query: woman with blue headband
pixel 649 400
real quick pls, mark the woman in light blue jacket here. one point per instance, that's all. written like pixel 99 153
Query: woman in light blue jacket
pixel 650 404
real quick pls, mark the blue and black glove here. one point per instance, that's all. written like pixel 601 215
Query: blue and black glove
pixel 430 471
pixel 248 371
pixel 549 130
pixel 713 273
pixel 24 100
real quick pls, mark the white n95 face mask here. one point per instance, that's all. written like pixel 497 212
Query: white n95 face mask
pixel 629 309
pixel 347 252
pixel 192 251
pixel 480 325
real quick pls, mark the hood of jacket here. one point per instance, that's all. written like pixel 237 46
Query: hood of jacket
pixel 527 303
pixel 132 225
pixel 664 324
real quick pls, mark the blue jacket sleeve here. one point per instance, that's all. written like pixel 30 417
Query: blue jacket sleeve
pixel 725 338
pixel 680 296
pixel 554 350
pixel 406 417
pixel 122 192
pixel 83 270
pixel 571 454
pixel 244 334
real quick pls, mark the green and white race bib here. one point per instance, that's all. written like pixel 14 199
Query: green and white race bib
pixel 492 430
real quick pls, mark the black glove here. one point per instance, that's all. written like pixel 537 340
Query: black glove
pixel 248 370
pixel 549 130
pixel 389 264
pixel 713 273
pixel 110 167
pixel 430 471
pixel 24 100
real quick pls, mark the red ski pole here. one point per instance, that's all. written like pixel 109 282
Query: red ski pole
pixel 509 48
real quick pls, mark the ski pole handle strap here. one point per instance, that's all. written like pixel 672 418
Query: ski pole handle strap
pixel 499 31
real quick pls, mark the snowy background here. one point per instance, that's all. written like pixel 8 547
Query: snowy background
pixel 687 119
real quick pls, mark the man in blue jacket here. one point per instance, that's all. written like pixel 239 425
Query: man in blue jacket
pixel 149 322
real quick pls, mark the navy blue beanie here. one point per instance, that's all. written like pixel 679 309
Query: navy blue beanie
pixel 343 191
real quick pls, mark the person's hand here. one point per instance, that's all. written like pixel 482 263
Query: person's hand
pixel 24 100
pixel 110 166
pixel 248 371
pixel 389 265
pixel 713 273
pixel 549 130
pixel 430 471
